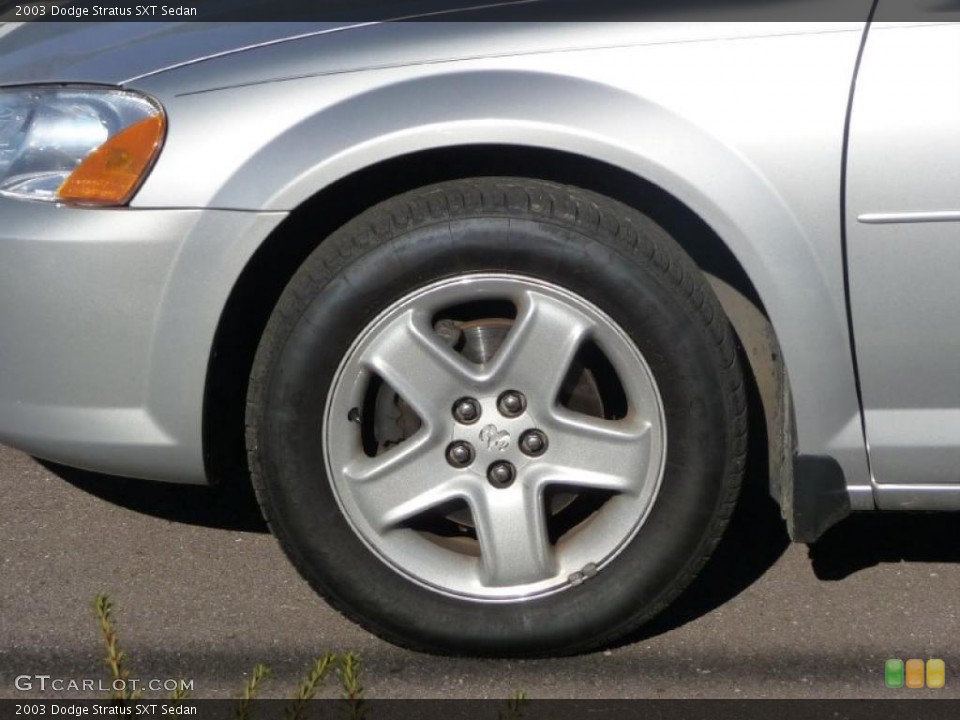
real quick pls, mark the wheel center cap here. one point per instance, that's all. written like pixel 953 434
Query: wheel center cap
pixel 495 437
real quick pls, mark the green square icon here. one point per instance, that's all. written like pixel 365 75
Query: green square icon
pixel 893 673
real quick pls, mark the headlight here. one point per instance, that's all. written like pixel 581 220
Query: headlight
pixel 90 146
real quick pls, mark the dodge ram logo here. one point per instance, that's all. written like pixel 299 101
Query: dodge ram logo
pixel 495 439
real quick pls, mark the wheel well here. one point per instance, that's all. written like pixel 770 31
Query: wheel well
pixel 263 280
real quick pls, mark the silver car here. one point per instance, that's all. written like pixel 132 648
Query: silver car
pixel 484 309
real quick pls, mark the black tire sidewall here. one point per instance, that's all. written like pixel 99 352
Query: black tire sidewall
pixel 339 293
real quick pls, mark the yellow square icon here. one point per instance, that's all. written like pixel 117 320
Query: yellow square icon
pixel 914 673
pixel 936 673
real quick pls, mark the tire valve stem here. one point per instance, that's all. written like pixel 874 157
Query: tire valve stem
pixel 354 416
pixel 581 576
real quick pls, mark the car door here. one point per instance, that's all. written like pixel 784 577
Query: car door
pixel 903 242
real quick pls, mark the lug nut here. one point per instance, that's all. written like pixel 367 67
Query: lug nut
pixel 466 411
pixel 501 474
pixel 511 403
pixel 533 443
pixel 460 454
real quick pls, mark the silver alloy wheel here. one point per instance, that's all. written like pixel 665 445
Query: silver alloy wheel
pixel 516 557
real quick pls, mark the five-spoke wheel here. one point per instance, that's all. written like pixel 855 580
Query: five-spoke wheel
pixel 511 446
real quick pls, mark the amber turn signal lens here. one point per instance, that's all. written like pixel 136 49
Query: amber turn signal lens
pixel 113 172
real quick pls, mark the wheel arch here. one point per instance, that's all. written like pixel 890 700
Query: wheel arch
pixel 333 145
pixel 263 279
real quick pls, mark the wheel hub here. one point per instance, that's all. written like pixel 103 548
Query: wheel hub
pixel 495 438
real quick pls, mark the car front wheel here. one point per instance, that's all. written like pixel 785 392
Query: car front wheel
pixel 498 417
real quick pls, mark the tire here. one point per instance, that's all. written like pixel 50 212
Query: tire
pixel 461 292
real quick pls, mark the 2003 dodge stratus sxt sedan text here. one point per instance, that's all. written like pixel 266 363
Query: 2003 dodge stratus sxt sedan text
pixel 466 300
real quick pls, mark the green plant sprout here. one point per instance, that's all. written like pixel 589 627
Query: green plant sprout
pixel 348 666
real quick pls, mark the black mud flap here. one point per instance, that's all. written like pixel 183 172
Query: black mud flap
pixel 819 497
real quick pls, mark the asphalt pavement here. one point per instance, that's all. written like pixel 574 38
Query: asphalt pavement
pixel 202 591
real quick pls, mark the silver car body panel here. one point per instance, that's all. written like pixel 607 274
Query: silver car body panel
pixel 744 124
pixel 903 215
pixel 107 325
pixel 110 53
